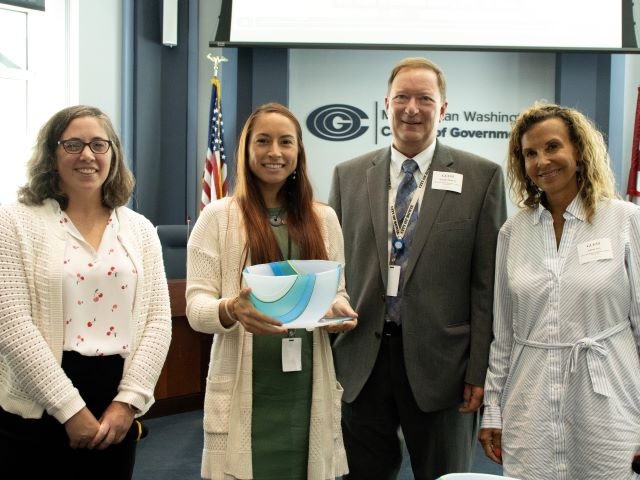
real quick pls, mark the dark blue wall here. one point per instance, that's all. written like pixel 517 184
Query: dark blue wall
pixel 583 81
pixel 160 106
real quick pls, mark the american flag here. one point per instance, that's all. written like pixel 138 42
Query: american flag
pixel 633 187
pixel 214 178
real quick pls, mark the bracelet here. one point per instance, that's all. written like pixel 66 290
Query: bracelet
pixel 226 309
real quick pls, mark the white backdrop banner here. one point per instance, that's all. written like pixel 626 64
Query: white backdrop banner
pixel 338 96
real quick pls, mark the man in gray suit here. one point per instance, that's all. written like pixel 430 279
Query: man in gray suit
pixel 419 355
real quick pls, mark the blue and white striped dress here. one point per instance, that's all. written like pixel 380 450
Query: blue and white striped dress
pixel 564 370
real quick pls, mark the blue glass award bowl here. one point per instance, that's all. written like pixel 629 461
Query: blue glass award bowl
pixel 298 293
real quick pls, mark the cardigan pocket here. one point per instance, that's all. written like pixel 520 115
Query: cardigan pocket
pixel 217 405
pixel 337 409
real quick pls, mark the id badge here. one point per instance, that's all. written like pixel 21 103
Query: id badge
pixel 291 354
pixel 393 280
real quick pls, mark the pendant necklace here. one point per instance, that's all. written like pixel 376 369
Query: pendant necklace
pixel 275 217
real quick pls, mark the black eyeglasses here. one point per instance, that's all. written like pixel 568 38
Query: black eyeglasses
pixel 75 145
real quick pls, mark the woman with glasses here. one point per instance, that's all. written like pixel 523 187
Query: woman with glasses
pixel 84 307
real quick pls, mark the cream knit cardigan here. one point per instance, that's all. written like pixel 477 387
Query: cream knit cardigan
pixel 213 274
pixel 32 247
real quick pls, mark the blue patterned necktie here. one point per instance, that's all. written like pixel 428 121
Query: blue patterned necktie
pixel 403 199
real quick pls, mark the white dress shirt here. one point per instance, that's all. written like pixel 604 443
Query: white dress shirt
pixel 423 159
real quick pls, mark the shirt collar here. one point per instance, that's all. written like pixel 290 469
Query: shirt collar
pixel 575 209
pixel 66 224
pixel 423 159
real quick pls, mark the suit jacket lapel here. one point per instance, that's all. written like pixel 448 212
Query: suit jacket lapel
pixel 378 190
pixel 429 208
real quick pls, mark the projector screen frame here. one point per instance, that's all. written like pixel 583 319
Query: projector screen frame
pixel 425 47
pixel 630 37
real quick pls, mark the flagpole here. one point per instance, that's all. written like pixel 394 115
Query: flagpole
pixel 214 176
pixel 217 60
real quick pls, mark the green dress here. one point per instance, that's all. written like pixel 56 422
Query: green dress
pixel 281 401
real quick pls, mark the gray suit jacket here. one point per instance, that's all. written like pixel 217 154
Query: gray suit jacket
pixel 448 291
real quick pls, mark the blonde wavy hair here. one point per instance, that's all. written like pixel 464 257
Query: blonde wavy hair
pixel 594 175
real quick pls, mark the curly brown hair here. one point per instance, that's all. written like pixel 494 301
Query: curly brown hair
pixel 43 181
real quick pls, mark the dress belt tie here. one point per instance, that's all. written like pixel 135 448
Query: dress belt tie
pixel 595 353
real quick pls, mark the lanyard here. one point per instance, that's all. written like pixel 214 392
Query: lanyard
pixel 400 230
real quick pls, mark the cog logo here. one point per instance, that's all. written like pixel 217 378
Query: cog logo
pixel 337 122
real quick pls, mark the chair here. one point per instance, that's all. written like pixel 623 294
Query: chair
pixel 473 476
pixel 173 239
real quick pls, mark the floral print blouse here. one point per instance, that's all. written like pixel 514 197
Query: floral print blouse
pixel 98 291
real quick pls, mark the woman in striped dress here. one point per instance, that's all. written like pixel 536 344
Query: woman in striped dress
pixel 562 395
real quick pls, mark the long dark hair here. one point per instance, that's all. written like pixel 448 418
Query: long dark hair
pixel 296 196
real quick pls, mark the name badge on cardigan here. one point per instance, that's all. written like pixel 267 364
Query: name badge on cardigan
pixel 291 354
